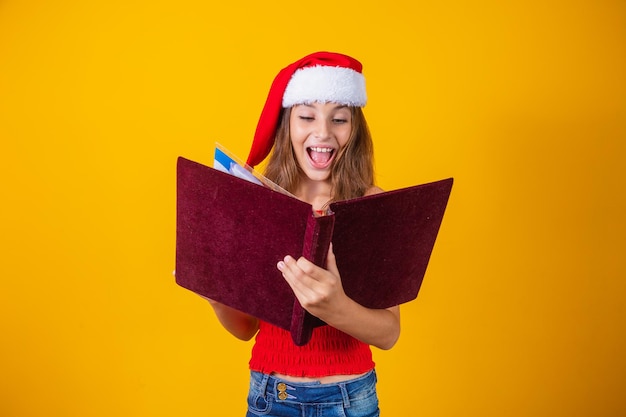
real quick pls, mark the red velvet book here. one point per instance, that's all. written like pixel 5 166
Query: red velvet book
pixel 230 234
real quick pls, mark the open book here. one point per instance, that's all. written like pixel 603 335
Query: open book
pixel 231 232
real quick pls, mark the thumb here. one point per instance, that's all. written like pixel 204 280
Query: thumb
pixel 331 261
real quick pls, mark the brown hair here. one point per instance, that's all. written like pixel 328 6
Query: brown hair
pixel 352 171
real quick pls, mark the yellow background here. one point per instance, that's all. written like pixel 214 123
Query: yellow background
pixel 522 312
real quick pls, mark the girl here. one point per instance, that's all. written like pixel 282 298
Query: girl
pixel 322 152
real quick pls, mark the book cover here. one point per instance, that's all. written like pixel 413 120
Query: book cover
pixel 231 232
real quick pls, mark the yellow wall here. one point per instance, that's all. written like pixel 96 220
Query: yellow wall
pixel 522 312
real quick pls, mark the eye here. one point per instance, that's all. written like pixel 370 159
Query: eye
pixel 306 118
pixel 340 121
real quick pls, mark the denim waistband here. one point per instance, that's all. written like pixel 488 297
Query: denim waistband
pixel 314 392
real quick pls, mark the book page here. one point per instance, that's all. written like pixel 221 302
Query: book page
pixel 227 162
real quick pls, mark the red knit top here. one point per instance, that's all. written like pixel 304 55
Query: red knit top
pixel 329 352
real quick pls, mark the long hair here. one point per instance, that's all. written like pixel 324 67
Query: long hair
pixel 352 171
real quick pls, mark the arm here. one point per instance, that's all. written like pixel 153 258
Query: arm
pixel 239 324
pixel 320 292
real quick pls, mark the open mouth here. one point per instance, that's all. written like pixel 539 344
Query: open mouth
pixel 320 157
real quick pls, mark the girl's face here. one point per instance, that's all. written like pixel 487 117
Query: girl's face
pixel 318 131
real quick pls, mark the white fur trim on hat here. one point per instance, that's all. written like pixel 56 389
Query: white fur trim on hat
pixel 327 85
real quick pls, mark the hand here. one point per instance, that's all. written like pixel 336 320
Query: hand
pixel 321 293
pixel 318 290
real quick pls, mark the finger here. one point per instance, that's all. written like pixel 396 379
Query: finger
pixel 290 265
pixel 307 266
pixel 295 276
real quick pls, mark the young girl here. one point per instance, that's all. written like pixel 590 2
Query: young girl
pixel 322 152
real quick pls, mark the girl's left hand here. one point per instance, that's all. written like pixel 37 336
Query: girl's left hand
pixel 321 293
pixel 318 290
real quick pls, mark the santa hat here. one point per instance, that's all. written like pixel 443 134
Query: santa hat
pixel 320 77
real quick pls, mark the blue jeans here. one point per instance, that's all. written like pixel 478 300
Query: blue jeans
pixel 270 396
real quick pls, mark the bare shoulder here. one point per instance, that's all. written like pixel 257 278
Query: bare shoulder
pixel 374 190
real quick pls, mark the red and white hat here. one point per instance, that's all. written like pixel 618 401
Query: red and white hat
pixel 325 77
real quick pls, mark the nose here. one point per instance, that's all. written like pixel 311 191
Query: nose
pixel 322 129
